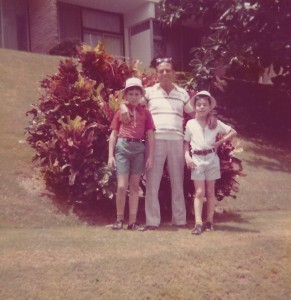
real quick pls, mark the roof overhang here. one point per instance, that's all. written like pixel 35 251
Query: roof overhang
pixel 117 6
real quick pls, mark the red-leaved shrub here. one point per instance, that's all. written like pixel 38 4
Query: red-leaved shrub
pixel 69 129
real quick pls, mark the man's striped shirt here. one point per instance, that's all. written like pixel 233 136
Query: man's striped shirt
pixel 167 110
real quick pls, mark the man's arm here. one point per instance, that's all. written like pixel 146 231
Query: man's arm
pixel 124 112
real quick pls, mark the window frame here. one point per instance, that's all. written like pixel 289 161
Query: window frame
pixel 94 30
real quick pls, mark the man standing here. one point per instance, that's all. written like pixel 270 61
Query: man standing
pixel 166 101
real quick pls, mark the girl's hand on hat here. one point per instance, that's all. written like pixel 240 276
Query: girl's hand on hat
pixel 212 120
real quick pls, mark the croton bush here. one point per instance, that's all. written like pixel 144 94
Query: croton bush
pixel 69 129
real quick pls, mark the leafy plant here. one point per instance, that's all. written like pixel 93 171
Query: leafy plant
pixel 241 38
pixel 69 128
pixel 67 47
pixel 70 123
pixel 231 168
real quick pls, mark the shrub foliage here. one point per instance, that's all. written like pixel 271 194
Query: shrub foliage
pixel 69 129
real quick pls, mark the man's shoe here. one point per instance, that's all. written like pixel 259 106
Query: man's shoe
pixel 197 229
pixel 117 225
pixel 208 226
pixel 135 226
pixel 150 228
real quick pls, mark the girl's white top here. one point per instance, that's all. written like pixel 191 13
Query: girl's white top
pixel 203 138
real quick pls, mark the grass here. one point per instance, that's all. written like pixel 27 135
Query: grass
pixel 46 253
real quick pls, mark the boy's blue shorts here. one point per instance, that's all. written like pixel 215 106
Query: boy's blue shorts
pixel 129 157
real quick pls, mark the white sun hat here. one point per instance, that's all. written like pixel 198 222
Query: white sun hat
pixel 206 93
pixel 134 81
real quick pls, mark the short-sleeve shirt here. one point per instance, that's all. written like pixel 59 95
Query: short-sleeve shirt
pixel 138 125
pixel 203 139
pixel 167 110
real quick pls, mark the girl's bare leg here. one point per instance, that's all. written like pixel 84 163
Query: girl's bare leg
pixel 210 195
pixel 198 200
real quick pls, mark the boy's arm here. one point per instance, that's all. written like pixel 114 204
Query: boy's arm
pixel 188 108
pixel 225 138
pixel 112 143
pixel 189 162
pixel 150 149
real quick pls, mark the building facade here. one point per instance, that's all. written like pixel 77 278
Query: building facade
pixel 127 28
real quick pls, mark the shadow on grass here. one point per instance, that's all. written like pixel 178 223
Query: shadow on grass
pixel 100 212
pixel 233 217
pixel 103 212
pixel 270 160
pixel 229 216
pixel 262 132
pixel 229 228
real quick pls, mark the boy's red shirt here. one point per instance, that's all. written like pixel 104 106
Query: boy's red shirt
pixel 137 128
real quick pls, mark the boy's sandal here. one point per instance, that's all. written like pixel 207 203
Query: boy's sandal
pixel 135 226
pixel 208 226
pixel 197 229
pixel 117 225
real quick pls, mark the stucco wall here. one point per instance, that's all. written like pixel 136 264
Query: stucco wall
pixel 43 25
pixel 139 46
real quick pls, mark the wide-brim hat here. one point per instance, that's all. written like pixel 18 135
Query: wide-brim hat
pixel 205 93
pixel 134 82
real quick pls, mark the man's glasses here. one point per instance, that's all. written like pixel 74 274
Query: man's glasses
pixel 163 59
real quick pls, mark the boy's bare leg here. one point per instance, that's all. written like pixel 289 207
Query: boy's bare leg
pixel 198 200
pixel 133 197
pixel 210 195
pixel 122 184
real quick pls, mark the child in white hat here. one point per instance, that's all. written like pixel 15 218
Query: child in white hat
pixel 127 152
pixel 204 161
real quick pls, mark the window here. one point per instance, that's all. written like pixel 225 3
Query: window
pixel 159 43
pixel 113 44
pixel 1 36
pixel 14 32
pixel 92 26
pixel 102 21
pixel 70 22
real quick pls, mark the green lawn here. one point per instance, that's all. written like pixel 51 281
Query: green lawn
pixel 46 253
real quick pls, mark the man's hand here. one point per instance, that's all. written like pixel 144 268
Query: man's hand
pixel 124 113
pixel 149 163
pixel 189 162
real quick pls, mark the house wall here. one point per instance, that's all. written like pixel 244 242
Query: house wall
pixel 139 46
pixel 43 25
